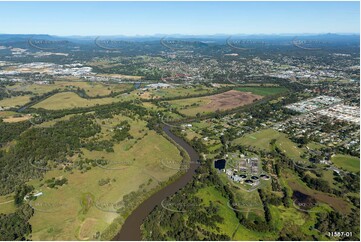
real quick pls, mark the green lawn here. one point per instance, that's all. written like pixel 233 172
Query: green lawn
pixel 263 91
pixel 347 162
pixel 261 140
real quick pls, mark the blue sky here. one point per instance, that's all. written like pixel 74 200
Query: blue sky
pixel 147 18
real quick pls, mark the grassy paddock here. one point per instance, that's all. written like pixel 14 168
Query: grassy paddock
pixel 66 100
pixel 178 91
pixel 261 140
pixel 263 91
pixel 91 88
pixel 15 101
pixel 5 114
pixel 7 204
pixel 76 214
pixel 347 162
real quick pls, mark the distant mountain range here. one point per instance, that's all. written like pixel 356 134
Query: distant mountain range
pixel 176 36
pixel 14 39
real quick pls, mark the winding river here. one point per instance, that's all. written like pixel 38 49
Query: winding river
pixel 131 227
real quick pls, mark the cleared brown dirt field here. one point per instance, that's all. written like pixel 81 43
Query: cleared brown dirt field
pixel 231 99
pixel 17 119
pixel 207 104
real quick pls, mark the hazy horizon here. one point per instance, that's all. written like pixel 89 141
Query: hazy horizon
pixel 186 35
pixel 172 18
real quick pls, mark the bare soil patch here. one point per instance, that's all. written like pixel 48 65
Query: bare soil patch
pixel 17 119
pixel 231 99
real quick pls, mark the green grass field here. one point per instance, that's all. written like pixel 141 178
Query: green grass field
pixel 75 213
pixel 315 146
pixel 15 101
pixel 191 106
pixel 347 162
pixel 91 88
pixel 263 91
pixel 7 204
pixel 293 221
pixel 261 140
pixel 5 114
pixel 178 91
pixel 66 100
pixel 230 225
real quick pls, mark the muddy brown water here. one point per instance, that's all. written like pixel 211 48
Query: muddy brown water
pixel 131 227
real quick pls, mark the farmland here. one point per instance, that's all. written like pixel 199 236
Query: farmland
pixel 17 118
pixel 223 101
pixel 5 114
pixel 15 101
pixel 91 89
pixel 263 91
pixel 176 91
pixel 178 139
pixel 7 204
pixel 83 207
pixel 67 100
pixel 262 139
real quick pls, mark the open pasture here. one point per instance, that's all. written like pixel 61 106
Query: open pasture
pixel 92 89
pixel 262 139
pixel 176 91
pixel 15 101
pixel 347 162
pixel 17 118
pixel 263 91
pixel 83 207
pixel 67 100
